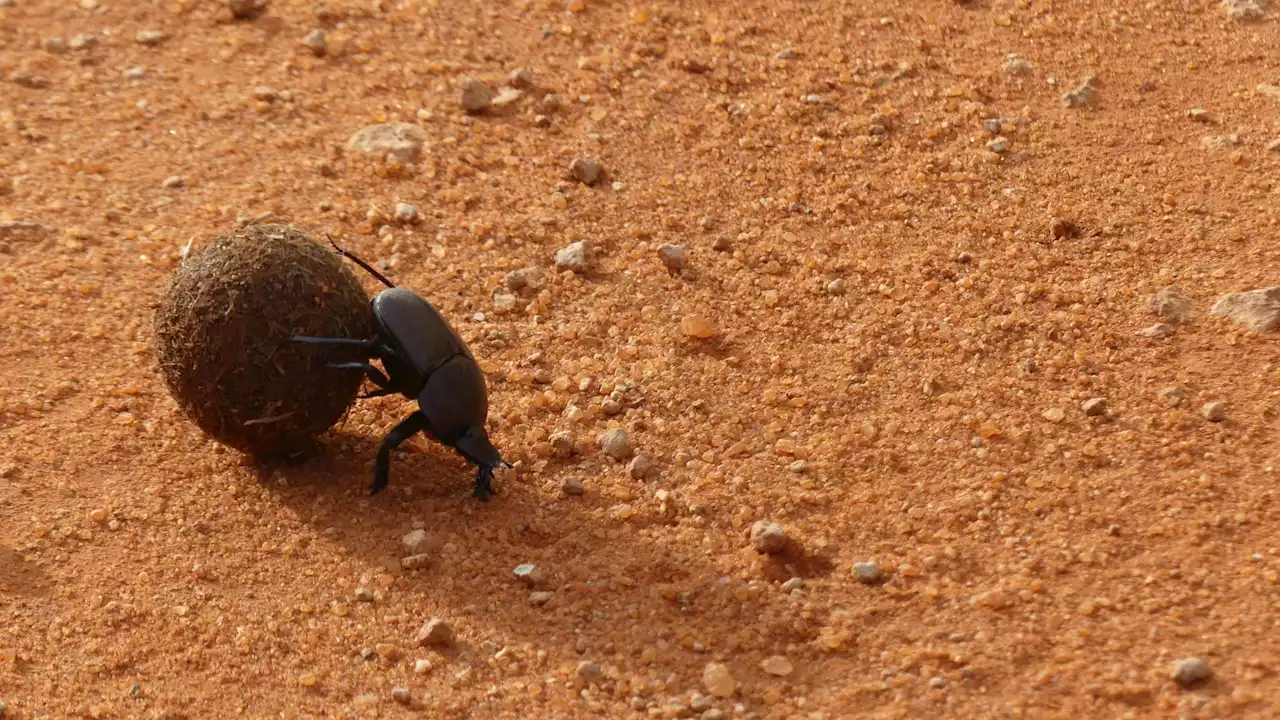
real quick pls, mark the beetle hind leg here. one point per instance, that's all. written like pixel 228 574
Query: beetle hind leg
pixel 414 423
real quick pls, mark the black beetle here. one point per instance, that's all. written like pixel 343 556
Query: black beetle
pixel 427 361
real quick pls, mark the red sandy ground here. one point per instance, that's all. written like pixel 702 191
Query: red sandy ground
pixel 1038 561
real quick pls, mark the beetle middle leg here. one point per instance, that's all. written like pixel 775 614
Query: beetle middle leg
pixel 385 385
pixel 415 423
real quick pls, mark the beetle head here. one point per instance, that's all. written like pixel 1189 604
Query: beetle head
pixel 476 447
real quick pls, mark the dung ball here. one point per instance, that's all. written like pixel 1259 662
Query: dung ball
pixel 222 332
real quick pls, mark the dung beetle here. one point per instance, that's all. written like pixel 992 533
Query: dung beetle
pixel 426 361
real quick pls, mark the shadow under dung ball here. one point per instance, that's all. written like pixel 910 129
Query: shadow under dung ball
pixel 222 331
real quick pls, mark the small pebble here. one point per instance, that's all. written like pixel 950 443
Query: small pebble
pixel 616 444
pixel 866 572
pixel 777 665
pixel 1158 331
pixel 587 671
pixel 520 79
pixel 572 485
pixel 538 598
pixel 1214 411
pixel 575 257
pixel 414 540
pixel 585 170
pixel 1093 407
pixel 793 584
pixel 610 407
pixel 529 574
pixel 937 682
pixel 1199 115
pixel 1258 310
pixel 1084 95
pixel 718 681
pixel 672 256
pixel 415 562
pixel 1171 305
pixel 135 73
pixel 640 466
pixel 364 594
pixel 397 140
pixel 1018 66
pixel 174 181
pixel 316 42
pixel 1190 671
pixel 696 326
pixel 700 703
pixel 405 212
pixel 767 537
pixel 266 94
pixel 245 9
pixel 998 145
pixel 435 633
pixel 149 37
pixel 713 714
pixel 422 667
pixel 80 42
pixel 562 444
pixel 475 97
pixel 53 45
pixel 531 278
pixel 401 695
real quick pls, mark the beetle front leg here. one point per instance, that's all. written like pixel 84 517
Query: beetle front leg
pixel 372 347
pixel 415 423
pixel 484 483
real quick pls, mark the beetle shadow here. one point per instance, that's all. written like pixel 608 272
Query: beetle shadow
pixel 620 573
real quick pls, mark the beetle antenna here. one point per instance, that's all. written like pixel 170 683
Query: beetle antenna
pixel 358 261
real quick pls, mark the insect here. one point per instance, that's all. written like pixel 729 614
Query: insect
pixel 426 361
